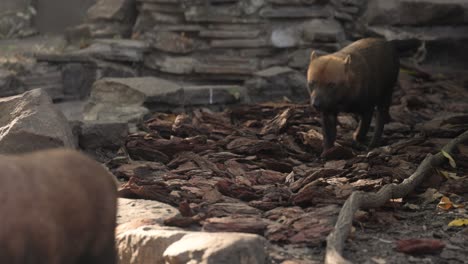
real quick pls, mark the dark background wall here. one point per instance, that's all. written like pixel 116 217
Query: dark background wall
pixel 13 5
pixel 54 16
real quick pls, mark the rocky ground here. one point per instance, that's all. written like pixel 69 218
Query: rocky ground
pixel 200 109
pixel 256 169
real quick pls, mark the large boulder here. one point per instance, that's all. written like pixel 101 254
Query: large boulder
pixel 130 210
pixel 276 83
pixel 157 244
pixel 102 135
pixel 31 122
pixel 113 10
pixel 323 30
pixel 105 19
pixel 146 244
pixel 125 99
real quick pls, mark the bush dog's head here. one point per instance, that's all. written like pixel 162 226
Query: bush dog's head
pixel 328 78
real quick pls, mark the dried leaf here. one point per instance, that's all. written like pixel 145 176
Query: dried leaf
pixel 445 203
pixel 420 246
pixel 451 160
pixel 459 222
pixel 449 175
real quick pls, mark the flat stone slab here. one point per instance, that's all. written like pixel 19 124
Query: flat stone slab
pixel 211 248
pixel 131 209
pixel 31 122
pixel 115 50
pixel 212 94
pixel 123 99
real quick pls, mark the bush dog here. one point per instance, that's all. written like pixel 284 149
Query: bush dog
pixel 356 79
pixel 57 207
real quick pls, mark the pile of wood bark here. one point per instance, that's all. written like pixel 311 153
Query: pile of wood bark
pixel 257 168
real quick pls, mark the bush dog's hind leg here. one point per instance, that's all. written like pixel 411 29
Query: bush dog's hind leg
pixel 382 115
pixel 364 123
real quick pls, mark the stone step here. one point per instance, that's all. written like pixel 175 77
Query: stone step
pixel 417 13
pixel 441 33
pixel 164 8
pixel 295 12
pixel 212 94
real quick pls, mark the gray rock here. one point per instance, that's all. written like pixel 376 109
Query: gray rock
pixel 295 12
pixel 130 210
pixel 229 34
pixel 437 33
pixel 44 76
pixel 145 245
pixel 147 20
pixel 178 28
pixel 417 13
pixel 115 70
pixel 78 79
pixel 239 43
pixel 123 99
pixel 285 37
pixel 16 19
pixel 116 10
pixel 172 42
pixel 276 83
pixel 72 110
pixel 212 94
pixel 211 248
pixel 342 16
pixel 297 2
pixel 78 34
pixel 300 58
pixel 216 14
pixel 270 72
pixel 323 30
pixel 170 64
pixel 140 239
pixel 10 84
pixel 31 122
pixel 161 7
pixel 108 135
pixel 230 65
pixel 251 6
pixel 115 50
pixel 110 29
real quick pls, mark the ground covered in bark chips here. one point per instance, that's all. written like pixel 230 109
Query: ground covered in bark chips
pixel 257 169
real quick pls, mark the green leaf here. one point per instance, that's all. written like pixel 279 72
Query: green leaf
pixel 451 160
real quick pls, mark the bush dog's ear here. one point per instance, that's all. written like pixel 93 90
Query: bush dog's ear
pixel 313 55
pixel 347 62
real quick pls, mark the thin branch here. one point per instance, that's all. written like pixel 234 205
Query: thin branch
pixel 359 199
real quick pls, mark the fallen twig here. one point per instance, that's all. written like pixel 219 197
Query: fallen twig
pixel 359 199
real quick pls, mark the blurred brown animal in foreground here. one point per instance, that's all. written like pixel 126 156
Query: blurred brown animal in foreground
pixel 57 207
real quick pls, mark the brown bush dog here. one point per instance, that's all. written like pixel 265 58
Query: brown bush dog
pixel 356 79
pixel 57 207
